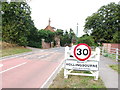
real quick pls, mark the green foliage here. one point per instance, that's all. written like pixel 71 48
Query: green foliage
pixel 59 32
pixel 33 38
pixel 14 50
pixel 116 37
pixel 16 22
pixel 47 35
pixel 115 67
pixel 104 23
pixel 67 38
pixel 87 40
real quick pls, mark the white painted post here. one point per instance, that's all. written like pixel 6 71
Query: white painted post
pixel 66 52
pixel 97 50
pixel 117 54
pixel 66 57
pixel 96 75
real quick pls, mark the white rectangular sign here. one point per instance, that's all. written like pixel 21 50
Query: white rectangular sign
pixel 81 65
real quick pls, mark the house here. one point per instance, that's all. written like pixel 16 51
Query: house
pixel 57 39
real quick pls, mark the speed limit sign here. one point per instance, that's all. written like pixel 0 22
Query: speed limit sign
pixel 82 52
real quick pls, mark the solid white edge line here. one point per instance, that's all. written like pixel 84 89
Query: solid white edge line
pixel 51 75
pixel 13 67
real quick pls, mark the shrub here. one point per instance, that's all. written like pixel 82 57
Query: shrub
pixel 87 40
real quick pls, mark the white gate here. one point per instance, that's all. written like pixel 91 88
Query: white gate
pixel 72 64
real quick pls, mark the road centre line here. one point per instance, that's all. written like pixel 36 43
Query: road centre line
pixel 13 67
pixel 43 56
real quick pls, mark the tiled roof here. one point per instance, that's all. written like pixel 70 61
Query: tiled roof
pixel 49 28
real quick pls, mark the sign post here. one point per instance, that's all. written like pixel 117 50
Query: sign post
pixel 83 60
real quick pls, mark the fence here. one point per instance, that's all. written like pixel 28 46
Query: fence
pixel 69 57
pixel 111 52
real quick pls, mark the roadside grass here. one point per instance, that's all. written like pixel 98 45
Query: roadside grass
pixel 13 50
pixel 115 67
pixel 76 81
pixel 112 56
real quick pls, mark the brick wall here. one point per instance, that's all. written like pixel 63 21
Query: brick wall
pixel 109 46
pixel 45 45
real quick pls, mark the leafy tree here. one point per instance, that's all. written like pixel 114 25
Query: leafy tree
pixel 47 35
pixel 104 23
pixel 59 32
pixel 87 40
pixel 67 38
pixel 33 38
pixel 116 37
pixel 16 22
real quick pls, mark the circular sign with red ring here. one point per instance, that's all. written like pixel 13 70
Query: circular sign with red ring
pixel 82 52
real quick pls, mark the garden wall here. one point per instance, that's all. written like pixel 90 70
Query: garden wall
pixel 109 46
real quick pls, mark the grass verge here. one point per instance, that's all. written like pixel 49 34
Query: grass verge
pixel 115 67
pixel 112 56
pixel 13 50
pixel 76 82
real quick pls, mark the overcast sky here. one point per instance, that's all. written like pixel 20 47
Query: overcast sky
pixel 64 14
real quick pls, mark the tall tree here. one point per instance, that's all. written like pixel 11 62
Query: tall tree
pixel 104 23
pixel 47 35
pixel 16 22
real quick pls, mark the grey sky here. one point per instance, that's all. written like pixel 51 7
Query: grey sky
pixel 64 14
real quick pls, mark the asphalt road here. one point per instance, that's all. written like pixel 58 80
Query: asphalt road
pixel 31 70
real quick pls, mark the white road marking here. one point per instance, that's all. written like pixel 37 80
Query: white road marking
pixel 15 56
pixel 13 67
pixel 52 74
pixel 43 56
pixel 1 65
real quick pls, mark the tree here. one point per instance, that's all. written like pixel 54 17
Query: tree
pixel 104 23
pixel 67 38
pixel 47 35
pixel 16 22
pixel 116 37
pixel 59 32
pixel 87 40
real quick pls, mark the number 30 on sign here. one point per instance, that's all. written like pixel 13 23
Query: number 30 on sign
pixel 82 52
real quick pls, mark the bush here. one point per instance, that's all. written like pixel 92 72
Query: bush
pixel 35 44
pixel 22 41
pixel 87 40
pixel 106 55
pixel 47 35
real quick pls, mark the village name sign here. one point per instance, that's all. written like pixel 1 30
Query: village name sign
pixel 80 57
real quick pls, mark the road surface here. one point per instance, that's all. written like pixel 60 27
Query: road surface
pixel 32 70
